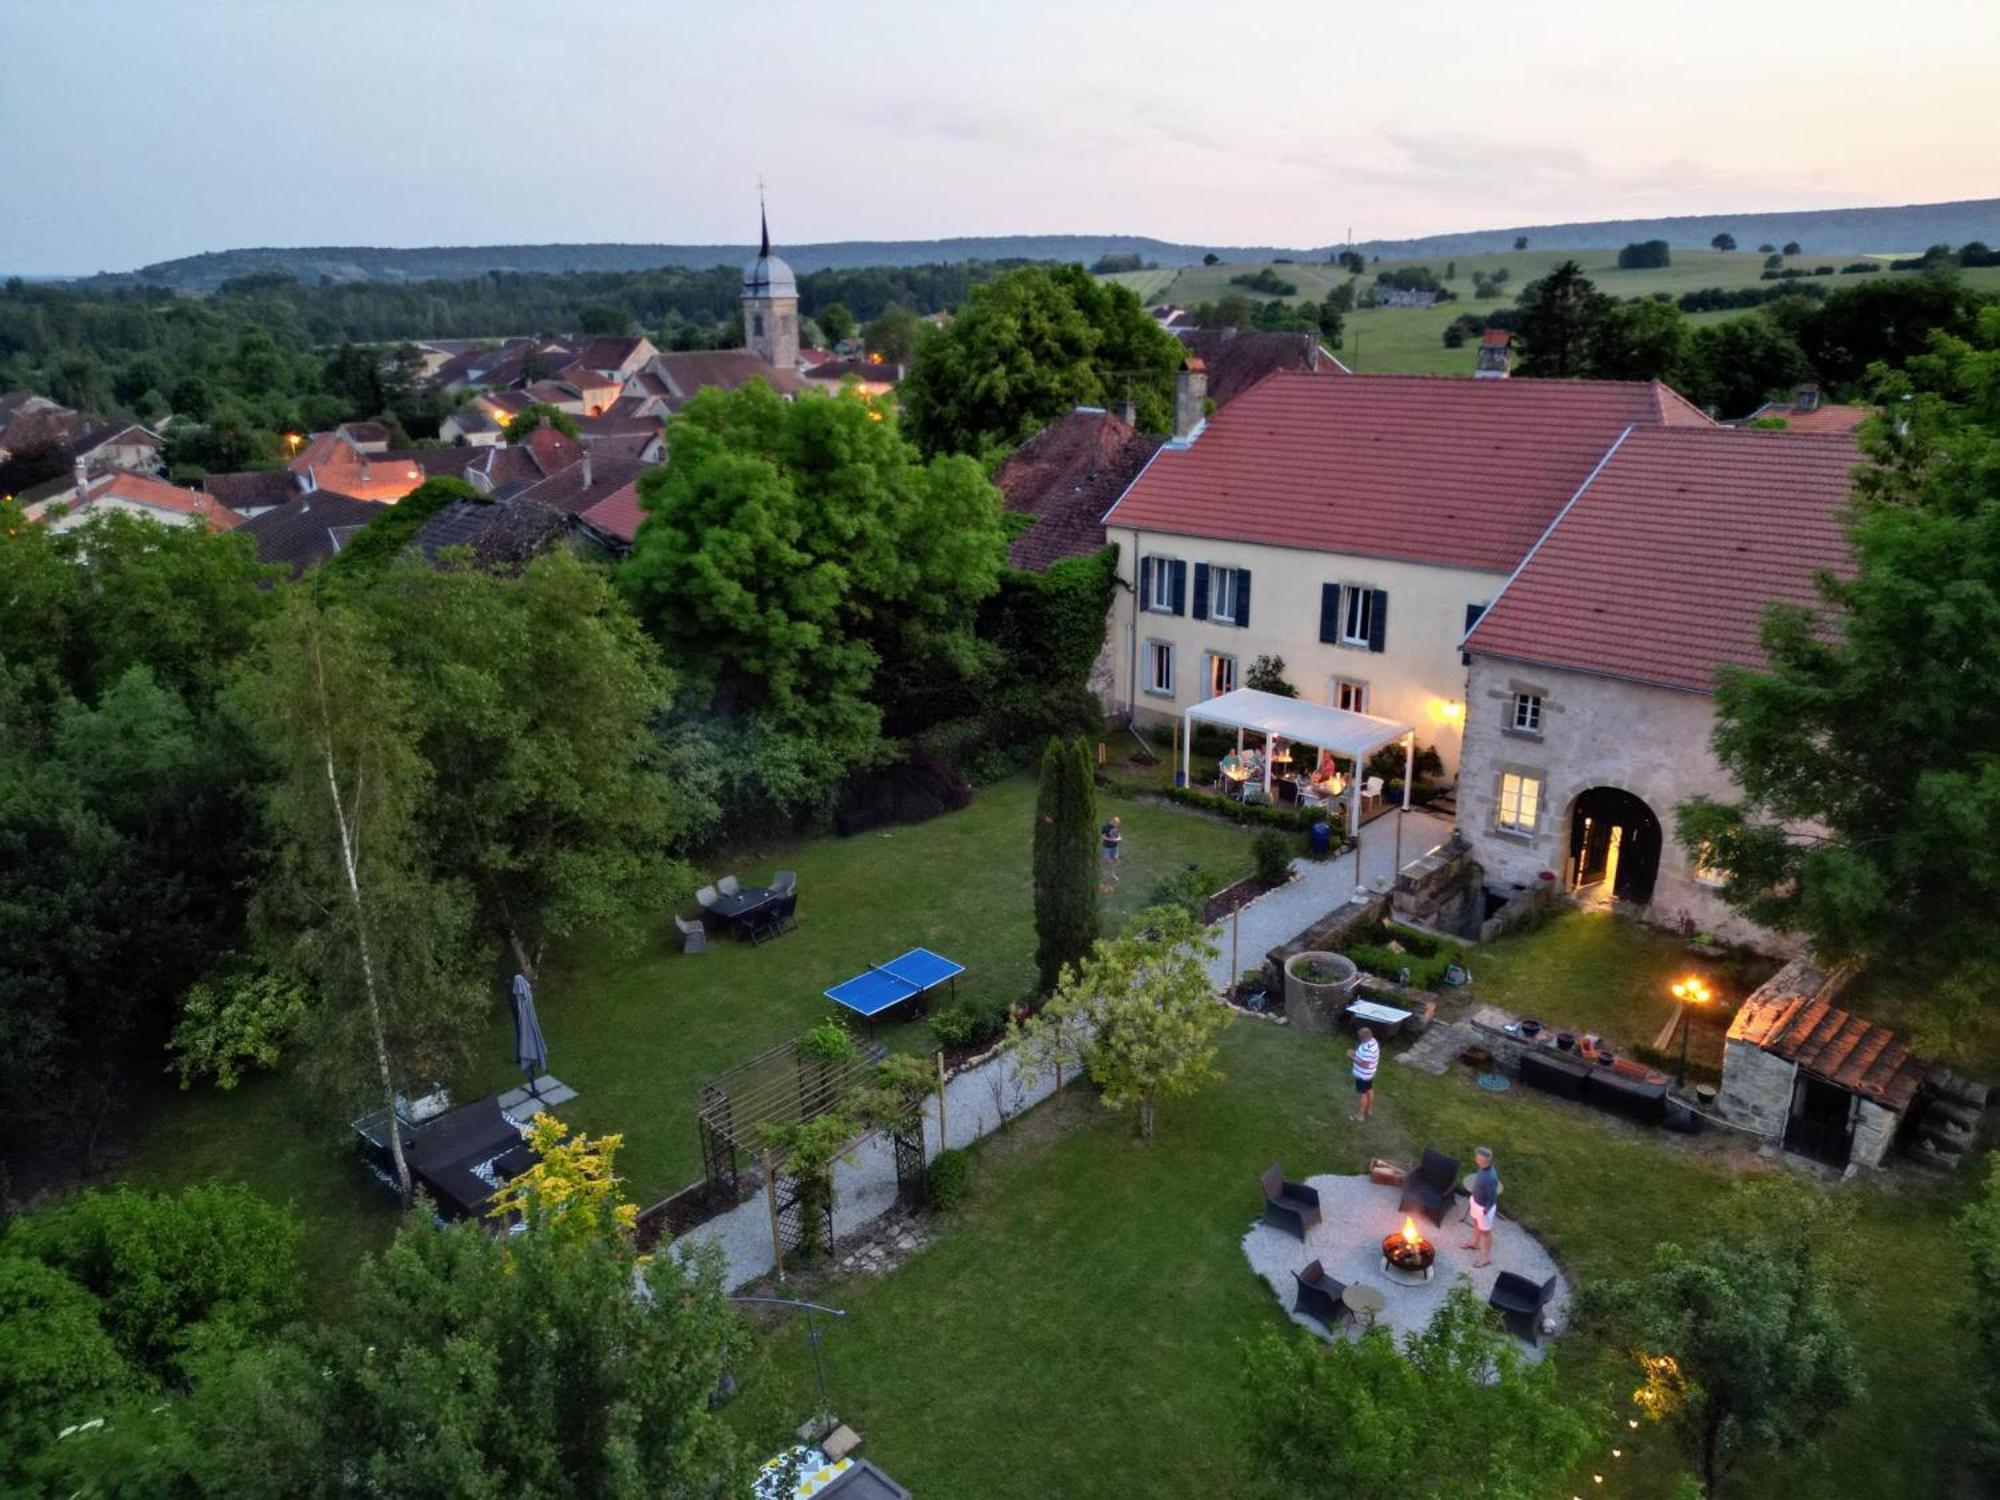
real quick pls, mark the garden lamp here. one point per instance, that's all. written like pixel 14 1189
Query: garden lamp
pixel 1687 992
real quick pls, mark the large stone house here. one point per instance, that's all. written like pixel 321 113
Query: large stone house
pixel 1589 712
pixel 1353 527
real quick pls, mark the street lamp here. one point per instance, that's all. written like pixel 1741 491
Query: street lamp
pixel 1689 991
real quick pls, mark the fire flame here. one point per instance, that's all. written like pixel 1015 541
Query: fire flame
pixel 1410 1235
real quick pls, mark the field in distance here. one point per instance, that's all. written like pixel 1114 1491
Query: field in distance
pixel 1403 340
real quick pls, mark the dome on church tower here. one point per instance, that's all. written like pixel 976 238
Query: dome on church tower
pixel 767 275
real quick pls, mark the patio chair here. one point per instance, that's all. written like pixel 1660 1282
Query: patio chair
pixel 694 936
pixel 1290 1206
pixel 1371 789
pixel 729 885
pixel 773 917
pixel 1521 1302
pixel 707 896
pixel 1432 1187
pixel 1319 1295
pixel 785 880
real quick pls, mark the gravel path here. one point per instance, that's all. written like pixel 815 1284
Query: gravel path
pixel 1321 886
pixel 1347 1242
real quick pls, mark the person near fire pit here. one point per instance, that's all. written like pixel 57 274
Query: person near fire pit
pixel 1366 1055
pixel 1485 1203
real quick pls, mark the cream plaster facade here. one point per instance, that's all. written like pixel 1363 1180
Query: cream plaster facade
pixel 1653 742
pixel 1418 677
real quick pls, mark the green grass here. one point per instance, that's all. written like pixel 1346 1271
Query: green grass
pixel 1411 341
pixel 636 1034
pixel 1077 1331
pixel 1590 971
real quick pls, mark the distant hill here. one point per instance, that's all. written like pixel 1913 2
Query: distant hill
pixel 1830 231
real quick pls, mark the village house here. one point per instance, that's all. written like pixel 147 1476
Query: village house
pixel 1590 708
pixel 1352 527
pixel 136 494
pixel 1806 412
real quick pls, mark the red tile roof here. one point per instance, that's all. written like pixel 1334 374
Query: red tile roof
pixel 1845 1050
pixel 153 494
pixel 1065 476
pixel 617 514
pixel 1820 418
pixel 1661 569
pixel 1236 359
pixel 690 370
pixel 1427 468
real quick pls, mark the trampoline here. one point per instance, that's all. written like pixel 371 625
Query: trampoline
pixel 882 988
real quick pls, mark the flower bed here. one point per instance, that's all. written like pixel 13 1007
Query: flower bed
pixel 1424 955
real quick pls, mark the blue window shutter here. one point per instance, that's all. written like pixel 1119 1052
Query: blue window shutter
pixel 1180 586
pixel 1378 622
pixel 1329 612
pixel 1201 591
pixel 1243 597
pixel 1145 583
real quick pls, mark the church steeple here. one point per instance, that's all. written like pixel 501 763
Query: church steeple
pixel 764 223
pixel 770 301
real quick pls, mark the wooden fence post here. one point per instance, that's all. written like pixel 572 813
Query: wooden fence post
pixel 771 1202
pixel 940 1078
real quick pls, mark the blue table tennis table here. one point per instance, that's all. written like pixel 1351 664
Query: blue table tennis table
pixel 883 987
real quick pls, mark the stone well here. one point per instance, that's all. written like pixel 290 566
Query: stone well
pixel 1315 1006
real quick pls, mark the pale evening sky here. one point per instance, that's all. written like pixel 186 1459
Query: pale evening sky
pixel 147 129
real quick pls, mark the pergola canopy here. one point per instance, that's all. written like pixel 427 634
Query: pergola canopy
pixel 1350 736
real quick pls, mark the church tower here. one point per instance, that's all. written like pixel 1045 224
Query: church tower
pixel 770 305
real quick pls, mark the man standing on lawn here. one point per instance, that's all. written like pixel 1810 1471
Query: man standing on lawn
pixel 1366 1055
pixel 1114 835
pixel 1485 1203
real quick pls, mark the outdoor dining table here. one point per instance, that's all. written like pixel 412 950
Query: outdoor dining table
pixel 1386 1017
pixel 737 910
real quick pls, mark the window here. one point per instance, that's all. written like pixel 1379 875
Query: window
pixel 1527 713
pixel 1160 668
pixel 1162 585
pixel 1221 674
pixel 1706 870
pixel 757 324
pixel 1520 801
pixel 1357 615
pixel 1350 695
pixel 1222 594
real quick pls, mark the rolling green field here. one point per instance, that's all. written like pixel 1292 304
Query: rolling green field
pixel 1410 340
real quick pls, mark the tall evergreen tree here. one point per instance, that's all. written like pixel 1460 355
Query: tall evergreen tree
pixel 1065 855
pixel 1561 317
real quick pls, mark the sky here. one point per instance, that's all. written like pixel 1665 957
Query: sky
pixel 139 130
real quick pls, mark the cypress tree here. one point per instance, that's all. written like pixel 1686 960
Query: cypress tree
pixel 1065 860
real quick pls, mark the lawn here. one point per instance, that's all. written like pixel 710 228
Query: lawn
pixel 1078 1331
pixel 1591 971
pixel 1411 340
pixel 636 1034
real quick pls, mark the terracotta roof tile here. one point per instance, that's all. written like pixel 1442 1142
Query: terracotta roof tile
pixel 1661 570
pixel 725 369
pixel 1066 476
pixel 306 531
pixel 1431 469
pixel 618 514
pixel 1819 418
pixel 1844 1049
pixel 252 489
pixel 1236 359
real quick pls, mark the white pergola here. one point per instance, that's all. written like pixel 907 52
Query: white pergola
pixel 1344 735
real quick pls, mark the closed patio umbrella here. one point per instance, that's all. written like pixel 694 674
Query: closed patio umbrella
pixel 530 1051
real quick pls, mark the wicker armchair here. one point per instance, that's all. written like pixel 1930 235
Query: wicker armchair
pixel 1290 1206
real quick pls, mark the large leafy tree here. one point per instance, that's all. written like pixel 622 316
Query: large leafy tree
pixel 1561 319
pixel 1736 365
pixel 1139 1013
pixel 1739 1344
pixel 536 702
pixel 788 547
pixel 1643 339
pixel 1065 860
pixel 352 902
pixel 1456 1412
pixel 1868 750
pixel 1029 346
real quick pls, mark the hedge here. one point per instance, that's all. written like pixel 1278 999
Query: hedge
pixel 1427 957
pixel 1298 819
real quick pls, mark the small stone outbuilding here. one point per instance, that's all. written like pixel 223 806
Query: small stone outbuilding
pixel 1819 1081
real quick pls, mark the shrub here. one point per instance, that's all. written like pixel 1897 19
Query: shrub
pixel 948 1179
pixel 969 1023
pixel 951 1028
pixel 1272 853
pixel 827 1042
pixel 1186 888
pixel 1425 956
pixel 1299 820
pixel 919 787
pixel 1644 255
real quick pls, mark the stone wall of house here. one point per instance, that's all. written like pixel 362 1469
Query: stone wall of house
pixel 1595 731
pixel 1874 1133
pixel 1756 1089
pixel 1444 890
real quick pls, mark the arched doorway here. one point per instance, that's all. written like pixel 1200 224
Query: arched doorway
pixel 1614 845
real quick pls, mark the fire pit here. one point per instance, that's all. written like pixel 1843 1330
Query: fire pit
pixel 1407 1253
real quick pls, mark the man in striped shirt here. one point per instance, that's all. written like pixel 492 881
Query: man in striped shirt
pixel 1366 1055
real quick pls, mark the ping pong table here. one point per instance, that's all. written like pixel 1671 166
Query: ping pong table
pixel 883 987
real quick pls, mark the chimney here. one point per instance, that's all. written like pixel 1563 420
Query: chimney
pixel 586 466
pixel 1128 412
pixel 1806 399
pixel 1496 355
pixel 1190 398
pixel 82 471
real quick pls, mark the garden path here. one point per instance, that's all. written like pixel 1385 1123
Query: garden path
pixel 1320 886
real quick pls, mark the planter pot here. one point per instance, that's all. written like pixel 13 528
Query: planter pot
pixel 1531 1029
pixel 1316 1005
